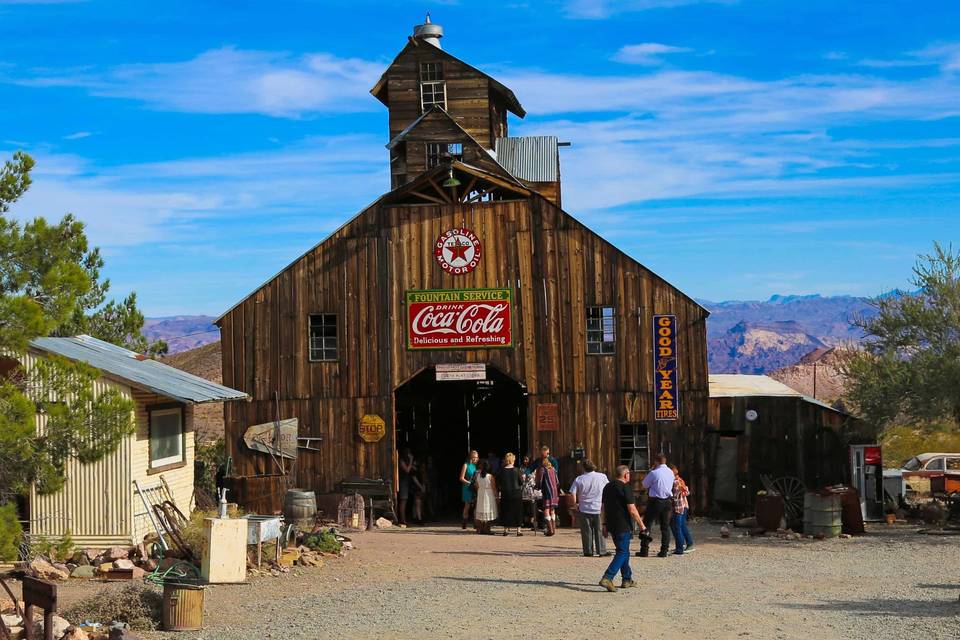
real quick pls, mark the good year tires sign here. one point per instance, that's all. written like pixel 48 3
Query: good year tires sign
pixel 459 319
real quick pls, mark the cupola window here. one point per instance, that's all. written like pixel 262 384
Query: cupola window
pixel 433 89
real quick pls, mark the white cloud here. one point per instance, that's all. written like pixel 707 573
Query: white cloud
pixel 79 135
pixel 946 56
pixel 599 9
pixel 230 80
pixel 646 53
pixel 317 183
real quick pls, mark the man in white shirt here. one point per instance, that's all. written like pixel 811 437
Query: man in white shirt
pixel 587 489
pixel 659 485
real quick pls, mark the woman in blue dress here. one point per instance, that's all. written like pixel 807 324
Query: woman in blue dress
pixel 467 471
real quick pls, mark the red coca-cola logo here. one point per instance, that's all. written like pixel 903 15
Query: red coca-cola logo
pixel 457 251
pixel 466 319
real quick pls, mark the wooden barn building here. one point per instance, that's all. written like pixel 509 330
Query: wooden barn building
pixel 464 309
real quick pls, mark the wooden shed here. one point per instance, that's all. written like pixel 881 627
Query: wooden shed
pixel 762 429
pixel 464 309
pixel 99 505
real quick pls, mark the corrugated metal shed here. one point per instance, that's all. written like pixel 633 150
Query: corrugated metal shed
pixel 737 385
pixel 532 158
pixel 146 374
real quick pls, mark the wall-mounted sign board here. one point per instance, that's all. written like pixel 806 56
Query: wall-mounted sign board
pixel 548 416
pixel 461 371
pixel 275 438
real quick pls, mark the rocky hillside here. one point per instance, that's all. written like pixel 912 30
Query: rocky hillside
pixel 761 336
pixel 816 375
pixel 204 362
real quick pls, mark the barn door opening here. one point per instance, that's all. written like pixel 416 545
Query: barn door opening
pixel 440 421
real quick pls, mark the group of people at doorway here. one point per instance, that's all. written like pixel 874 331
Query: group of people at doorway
pixel 500 490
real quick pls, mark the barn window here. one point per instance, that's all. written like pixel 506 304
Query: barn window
pixel 323 337
pixel 166 435
pixel 601 330
pixel 635 446
pixel 438 152
pixel 433 89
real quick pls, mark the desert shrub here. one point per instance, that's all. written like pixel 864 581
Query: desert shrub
pixel 139 605
pixel 208 456
pixel 10 532
pixel 324 541
pixel 59 549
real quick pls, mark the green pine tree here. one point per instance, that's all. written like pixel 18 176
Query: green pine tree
pixel 50 284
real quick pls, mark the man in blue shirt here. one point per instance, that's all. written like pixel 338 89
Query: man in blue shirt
pixel 545 455
pixel 659 485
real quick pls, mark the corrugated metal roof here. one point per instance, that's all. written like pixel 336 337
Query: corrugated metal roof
pixel 145 374
pixel 533 158
pixel 739 385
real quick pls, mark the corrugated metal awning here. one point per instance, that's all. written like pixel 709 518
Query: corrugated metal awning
pixel 739 385
pixel 142 373
pixel 532 158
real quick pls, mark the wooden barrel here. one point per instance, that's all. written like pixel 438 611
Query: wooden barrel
pixel 300 507
pixel 567 511
pixel 182 607
pixel 822 514
pixel 769 510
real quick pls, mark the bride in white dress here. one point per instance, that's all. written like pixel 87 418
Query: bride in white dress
pixel 486 511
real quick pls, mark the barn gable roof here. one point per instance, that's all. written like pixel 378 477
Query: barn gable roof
pixel 379 90
pixel 499 177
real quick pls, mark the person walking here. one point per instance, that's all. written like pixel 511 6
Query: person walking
pixel 682 540
pixel 546 482
pixel 467 472
pixel 620 512
pixel 510 483
pixel 659 485
pixel 587 490
pixel 486 486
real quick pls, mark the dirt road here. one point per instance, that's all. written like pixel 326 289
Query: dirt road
pixel 445 583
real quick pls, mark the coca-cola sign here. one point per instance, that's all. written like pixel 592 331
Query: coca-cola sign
pixel 459 319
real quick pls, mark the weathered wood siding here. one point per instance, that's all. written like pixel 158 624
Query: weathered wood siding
pixel 467 91
pixel 555 266
pixel 790 437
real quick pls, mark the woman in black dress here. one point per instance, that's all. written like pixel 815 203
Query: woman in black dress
pixel 509 483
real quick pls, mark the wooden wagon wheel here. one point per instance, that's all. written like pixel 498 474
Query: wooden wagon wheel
pixel 792 490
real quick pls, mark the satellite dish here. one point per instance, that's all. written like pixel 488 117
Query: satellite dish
pixel 751 415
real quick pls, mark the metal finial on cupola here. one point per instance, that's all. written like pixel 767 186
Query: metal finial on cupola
pixel 429 32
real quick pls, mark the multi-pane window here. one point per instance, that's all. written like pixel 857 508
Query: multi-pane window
pixel 433 89
pixel 438 152
pixel 635 446
pixel 323 337
pixel 601 330
pixel 166 436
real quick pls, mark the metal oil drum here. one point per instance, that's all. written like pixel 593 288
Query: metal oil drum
pixel 182 607
pixel 822 514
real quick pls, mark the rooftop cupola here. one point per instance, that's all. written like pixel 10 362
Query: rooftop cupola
pixel 429 32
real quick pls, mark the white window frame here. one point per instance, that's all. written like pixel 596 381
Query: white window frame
pixel 602 336
pixel 181 456
pixel 431 75
pixel 327 344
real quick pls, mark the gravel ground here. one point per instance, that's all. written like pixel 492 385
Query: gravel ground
pixel 445 583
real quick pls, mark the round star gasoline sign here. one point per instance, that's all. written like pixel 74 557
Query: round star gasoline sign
pixel 457 251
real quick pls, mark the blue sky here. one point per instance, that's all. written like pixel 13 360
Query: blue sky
pixel 739 149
